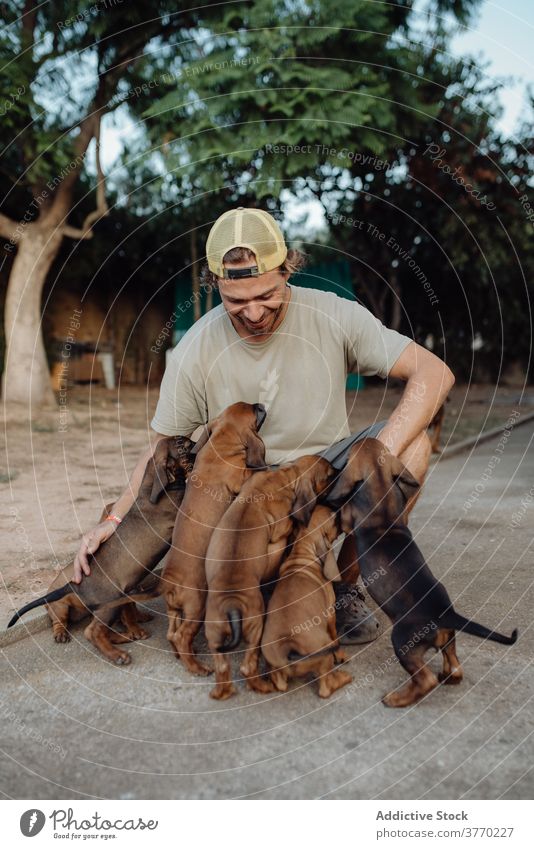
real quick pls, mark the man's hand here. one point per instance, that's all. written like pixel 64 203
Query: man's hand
pixel 95 537
pixel 89 544
pixel 429 381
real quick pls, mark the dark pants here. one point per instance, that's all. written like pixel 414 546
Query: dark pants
pixel 338 453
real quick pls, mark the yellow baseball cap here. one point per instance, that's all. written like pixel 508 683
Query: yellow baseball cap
pixel 245 228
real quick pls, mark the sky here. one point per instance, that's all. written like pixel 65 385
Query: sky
pixel 503 32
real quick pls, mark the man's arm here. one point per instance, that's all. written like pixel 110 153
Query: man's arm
pixel 97 535
pixel 429 381
pixel 125 501
pixel 177 413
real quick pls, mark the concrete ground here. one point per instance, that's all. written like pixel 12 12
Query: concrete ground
pixel 73 726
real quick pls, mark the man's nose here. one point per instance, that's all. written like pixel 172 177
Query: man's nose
pixel 253 312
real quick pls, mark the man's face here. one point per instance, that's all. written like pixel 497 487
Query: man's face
pixel 256 305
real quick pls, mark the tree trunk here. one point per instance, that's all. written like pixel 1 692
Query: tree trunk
pixel 26 378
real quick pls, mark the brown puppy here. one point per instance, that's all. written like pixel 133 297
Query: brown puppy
pixel 299 637
pixel 71 608
pixel 371 494
pixel 245 550
pixel 123 560
pixel 229 446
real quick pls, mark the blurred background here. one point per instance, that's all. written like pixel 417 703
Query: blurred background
pixel 392 140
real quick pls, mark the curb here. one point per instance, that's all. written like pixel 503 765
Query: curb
pixel 32 625
pixel 478 439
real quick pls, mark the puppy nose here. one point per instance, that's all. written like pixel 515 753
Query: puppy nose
pixel 261 414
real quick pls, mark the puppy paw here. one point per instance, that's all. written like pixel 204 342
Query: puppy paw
pixel 222 691
pixel 332 682
pixel 392 700
pixel 260 685
pixel 450 677
pixel 201 669
pixel 194 666
pixel 62 637
pixel 122 658
pixel 280 681
pixel 136 633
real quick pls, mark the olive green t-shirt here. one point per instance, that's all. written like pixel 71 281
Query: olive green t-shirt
pixel 299 373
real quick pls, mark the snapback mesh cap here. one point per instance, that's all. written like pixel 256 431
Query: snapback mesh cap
pixel 246 228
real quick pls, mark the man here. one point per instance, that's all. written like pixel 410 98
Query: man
pixel 291 349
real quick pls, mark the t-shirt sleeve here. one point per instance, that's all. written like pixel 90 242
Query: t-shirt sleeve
pixel 181 406
pixel 371 348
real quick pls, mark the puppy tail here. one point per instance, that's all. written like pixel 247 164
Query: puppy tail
pixel 460 623
pixel 55 595
pixel 234 620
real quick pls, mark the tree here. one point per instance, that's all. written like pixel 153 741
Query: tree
pixel 66 67
pixel 328 81
pixel 288 92
pixel 445 246
pixel 342 103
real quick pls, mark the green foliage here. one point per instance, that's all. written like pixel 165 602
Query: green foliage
pixel 319 75
pixel 350 94
pixel 456 245
pixel 60 60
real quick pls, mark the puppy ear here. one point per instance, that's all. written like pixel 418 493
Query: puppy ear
pixel 403 478
pixel 305 500
pixel 255 451
pixel 330 567
pixel 159 467
pixel 203 438
pixel 181 456
pixel 342 488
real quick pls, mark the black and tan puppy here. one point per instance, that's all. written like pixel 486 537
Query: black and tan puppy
pixel 371 494
pixel 299 637
pixel 245 550
pixel 126 558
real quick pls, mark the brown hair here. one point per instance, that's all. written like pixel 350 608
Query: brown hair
pixel 294 261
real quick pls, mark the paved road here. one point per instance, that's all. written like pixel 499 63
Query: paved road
pixel 74 726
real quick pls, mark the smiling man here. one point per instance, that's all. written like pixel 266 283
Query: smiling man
pixel 291 349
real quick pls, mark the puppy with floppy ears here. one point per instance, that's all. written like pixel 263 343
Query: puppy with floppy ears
pixel 226 456
pixel 371 495
pixel 246 550
pixel 122 561
pixel 299 638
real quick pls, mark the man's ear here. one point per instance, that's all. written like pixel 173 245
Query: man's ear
pixel 255 451
pixel 159 463
pixel 403 478
pixel 304 502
